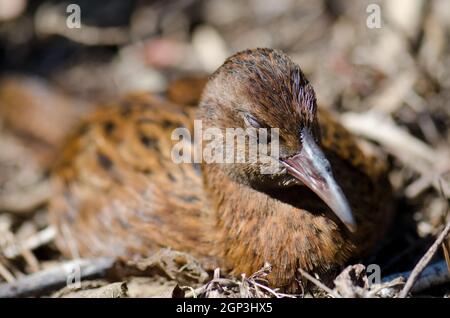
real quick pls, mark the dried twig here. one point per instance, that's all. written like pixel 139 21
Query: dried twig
pixel 318 283
pixel 433 275
pixel 424 262
pixel 114 290
pixel 252 286
pixel 389 288
pixel 41 238
pixel 31 260
pixel 6 274
pixel 53 278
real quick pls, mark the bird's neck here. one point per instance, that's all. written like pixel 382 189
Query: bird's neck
pixel 253 227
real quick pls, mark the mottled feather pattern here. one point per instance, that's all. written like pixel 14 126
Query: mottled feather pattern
pixel 119 193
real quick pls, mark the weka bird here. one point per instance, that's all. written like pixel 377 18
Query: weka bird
pixel 120 193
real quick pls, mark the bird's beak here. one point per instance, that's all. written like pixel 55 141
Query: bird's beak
pixel 312 168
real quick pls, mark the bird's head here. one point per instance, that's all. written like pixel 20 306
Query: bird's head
pixel 266 95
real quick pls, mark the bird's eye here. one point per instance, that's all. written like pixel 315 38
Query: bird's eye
pixel 263 133
pixel 251 121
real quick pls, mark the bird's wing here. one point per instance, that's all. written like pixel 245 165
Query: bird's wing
pixel 119 192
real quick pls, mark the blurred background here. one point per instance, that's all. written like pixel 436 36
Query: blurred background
pixel 382 66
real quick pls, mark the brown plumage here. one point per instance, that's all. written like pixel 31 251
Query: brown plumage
pixel 187 90
pixel 120 193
